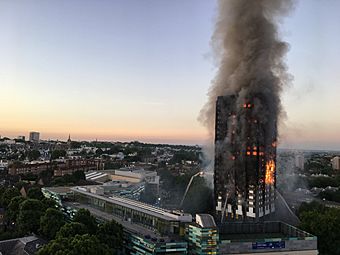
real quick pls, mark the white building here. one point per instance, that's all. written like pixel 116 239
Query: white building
pixel 3 165
pixel 336 163
pixel 300 161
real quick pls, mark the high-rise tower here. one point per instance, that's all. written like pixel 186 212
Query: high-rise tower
pixel 34 137
pixel 245 159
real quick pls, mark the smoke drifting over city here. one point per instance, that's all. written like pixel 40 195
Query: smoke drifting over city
pixel 250 57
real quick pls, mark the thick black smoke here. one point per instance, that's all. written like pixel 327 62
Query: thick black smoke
pixel 250 58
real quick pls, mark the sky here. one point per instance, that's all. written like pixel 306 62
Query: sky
pixel 140 70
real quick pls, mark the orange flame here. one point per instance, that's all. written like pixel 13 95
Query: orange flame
pixel 270 170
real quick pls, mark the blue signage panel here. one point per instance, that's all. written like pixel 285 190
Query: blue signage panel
pixel 269 245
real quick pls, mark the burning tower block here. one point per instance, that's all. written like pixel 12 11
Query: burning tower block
pixel 245 158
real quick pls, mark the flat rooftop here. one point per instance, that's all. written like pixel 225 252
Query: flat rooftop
pixel 132 227
pixel 138 206
pixel 245 231
pixel 60 190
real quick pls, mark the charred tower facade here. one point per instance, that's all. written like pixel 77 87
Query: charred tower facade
pixel 245 158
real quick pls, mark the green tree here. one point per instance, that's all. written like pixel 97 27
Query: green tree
pixel 30 212
pixel 325 224
pixel 49 203
pixel 14 208
pixel 77 245
pixel 7 194
pixel 58 154
pixel 29 177
pixel 78 175
pixel 75 145
pixel 51 222
pixel 322 182
pixel 71 229
pixel 35 193
pixel 84 216
pixel 111 233
pixel 312 206
pixel 199 197
pixel 33 155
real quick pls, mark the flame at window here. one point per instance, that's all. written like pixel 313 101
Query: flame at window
pixel 270 170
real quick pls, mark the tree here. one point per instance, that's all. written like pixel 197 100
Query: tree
pixel 111 233
pixel 184 155
pixel 77 245
pixel 312 206
pixel 51 222
pixel 199 197
pixel 75 145
pixel 49 203
pixel 29 177
pixel 33 155
pixel 14 208
pixel 35 193
pixel 326 226
pixel 322 182
pixel 78 175
pixel 84 216
pixel 30 212
pixel 58 154
pixel 7 195
pixel 71 229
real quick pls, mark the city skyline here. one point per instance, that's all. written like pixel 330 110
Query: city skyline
pixel 125 70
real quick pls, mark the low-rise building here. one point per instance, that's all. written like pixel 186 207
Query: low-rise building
pixel 153 230
pixel 32 167
pixel 70 166
pixel 202 236
pixel 60 167
pixel 27 245
pixel 265 238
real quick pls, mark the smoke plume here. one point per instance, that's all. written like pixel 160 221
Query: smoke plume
pixel 250 57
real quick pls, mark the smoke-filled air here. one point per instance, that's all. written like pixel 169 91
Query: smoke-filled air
pixel 250 59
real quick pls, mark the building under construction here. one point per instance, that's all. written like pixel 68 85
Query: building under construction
pixel 245 158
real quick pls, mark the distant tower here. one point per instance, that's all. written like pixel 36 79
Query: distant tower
pixel 69 142
pixel 245 159
pixel 336 163
pixel 300 161
pixel 34 137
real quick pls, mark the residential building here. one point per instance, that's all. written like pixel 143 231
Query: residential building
pixel 60 167
pixel 34 137
pixel 28 245
pixel 245 161
pixel 202 236
pixel 336 163
pixel 70 166
pixel 300 161
pixel 32 167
